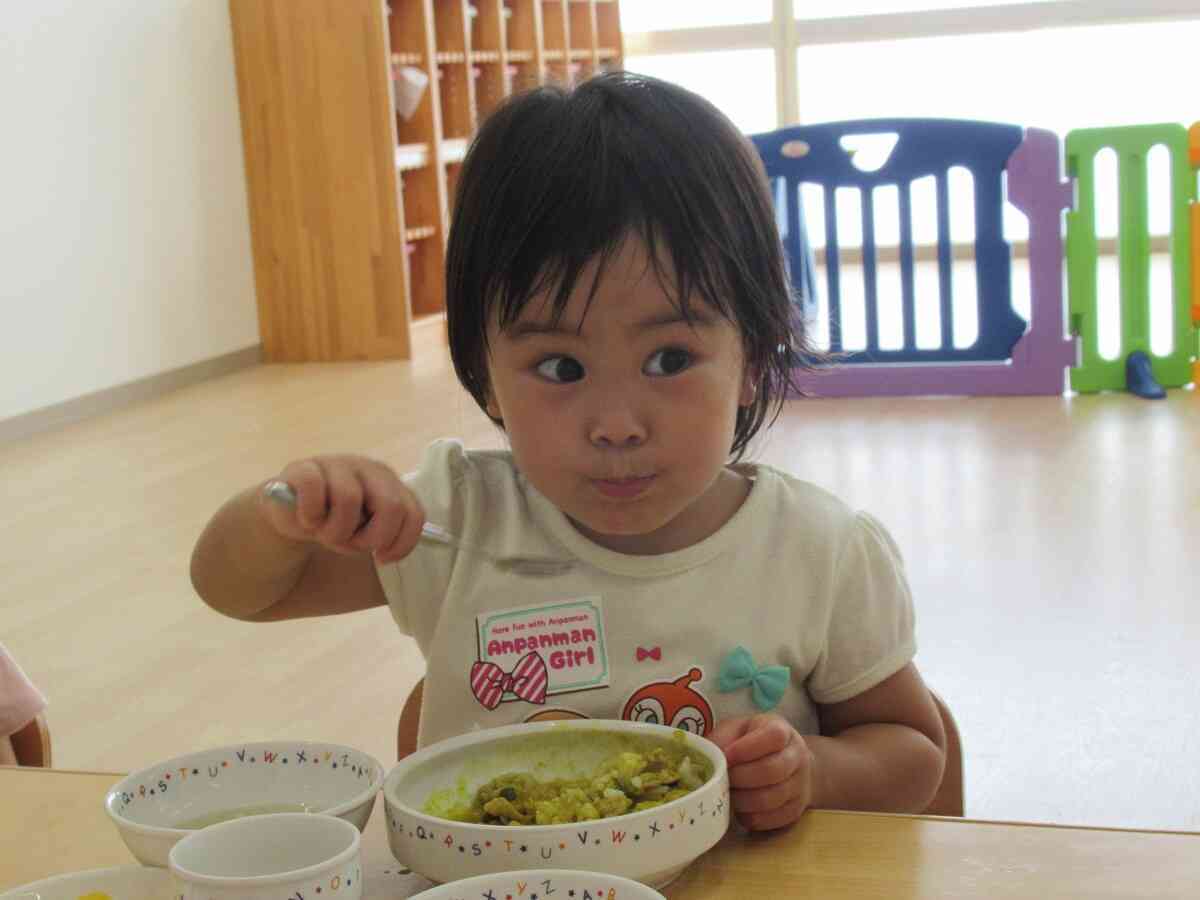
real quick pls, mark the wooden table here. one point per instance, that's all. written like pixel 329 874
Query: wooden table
pixel 53 821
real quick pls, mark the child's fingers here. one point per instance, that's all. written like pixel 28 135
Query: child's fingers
pixel 772 769
pixel 396 516
pixel 405 539
pixel 727 731
pixel 779 817
pixel 345 503
pixel 760 736
pixel 308 484
pixel 765 799
pixel 350 505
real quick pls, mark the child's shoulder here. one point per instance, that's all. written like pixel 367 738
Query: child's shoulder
pixel 449 473
pixel 449 459
pixel 803 504
pixel 786 488
pixel 812 516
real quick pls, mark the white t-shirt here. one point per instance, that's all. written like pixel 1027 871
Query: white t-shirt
pixel 795 577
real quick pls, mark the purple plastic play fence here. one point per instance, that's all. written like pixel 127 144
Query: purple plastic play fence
pixel 1009 356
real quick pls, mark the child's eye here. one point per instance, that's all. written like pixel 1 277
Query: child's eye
pixel 560 369
pixel 670 361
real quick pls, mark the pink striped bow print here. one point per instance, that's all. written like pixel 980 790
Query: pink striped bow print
pixel 652 653
pixel 489 682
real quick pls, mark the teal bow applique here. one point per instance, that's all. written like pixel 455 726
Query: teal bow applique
pixel 766 684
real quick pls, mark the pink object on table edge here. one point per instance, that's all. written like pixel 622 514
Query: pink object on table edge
pixel 20 700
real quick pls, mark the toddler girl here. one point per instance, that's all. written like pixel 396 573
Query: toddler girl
pixel 617 303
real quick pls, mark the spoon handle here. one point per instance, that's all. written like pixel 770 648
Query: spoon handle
pixel 442 536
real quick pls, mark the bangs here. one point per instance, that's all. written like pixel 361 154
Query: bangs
pixel 606 179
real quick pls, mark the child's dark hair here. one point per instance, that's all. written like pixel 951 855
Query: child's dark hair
pixel 556 177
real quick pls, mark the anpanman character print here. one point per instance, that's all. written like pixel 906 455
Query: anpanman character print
pixel 673 703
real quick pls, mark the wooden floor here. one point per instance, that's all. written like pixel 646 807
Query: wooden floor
pixel 1053 545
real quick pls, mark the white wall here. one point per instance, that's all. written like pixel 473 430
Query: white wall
pixel 124 232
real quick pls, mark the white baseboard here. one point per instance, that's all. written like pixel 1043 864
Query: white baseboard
pixel 114 398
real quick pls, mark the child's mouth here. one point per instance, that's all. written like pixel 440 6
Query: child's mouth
pixel 623 487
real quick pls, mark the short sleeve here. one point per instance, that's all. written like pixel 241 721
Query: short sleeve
pixel 870 633
pixel 20 701
pixel 415 586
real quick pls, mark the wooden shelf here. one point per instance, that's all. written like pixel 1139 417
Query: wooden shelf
pixel 411 156
pixel 364 170
pixel 419 233
pixel 454 150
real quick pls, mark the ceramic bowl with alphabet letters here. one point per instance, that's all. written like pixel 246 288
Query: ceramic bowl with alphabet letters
pixel 155 808
pixel 550 884
pixel 425 793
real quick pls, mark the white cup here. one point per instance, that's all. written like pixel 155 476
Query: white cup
pixel 409 85
pixel 271 857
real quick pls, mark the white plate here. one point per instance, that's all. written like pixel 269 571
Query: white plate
pixel 120 883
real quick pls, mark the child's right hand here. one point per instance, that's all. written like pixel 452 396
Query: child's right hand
pixel 350 504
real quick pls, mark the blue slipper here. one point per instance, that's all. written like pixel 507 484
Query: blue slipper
pixel 1139 377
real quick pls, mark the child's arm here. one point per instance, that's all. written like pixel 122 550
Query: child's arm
pixel 261 561
pixel 883 750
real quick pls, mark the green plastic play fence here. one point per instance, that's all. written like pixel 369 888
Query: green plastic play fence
pixel 1132 145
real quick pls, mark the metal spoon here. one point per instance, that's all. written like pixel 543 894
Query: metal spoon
pixel 536 566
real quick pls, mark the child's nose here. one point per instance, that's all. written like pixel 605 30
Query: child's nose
pixel 615 424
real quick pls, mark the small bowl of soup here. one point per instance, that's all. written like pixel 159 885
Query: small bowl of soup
pixel 627 799
pixel 157 807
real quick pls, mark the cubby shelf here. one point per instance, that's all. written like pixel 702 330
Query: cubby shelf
pixel 349 200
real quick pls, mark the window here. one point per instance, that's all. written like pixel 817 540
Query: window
pixel 828 9
pixel 1060 64
pixel 1060 79
pixel 1055 78
pixel 663 15
pixel 741 83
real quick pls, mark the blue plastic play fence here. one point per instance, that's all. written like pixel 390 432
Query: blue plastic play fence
pixel 813 154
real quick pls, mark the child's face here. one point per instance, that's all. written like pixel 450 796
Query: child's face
pixel 625 424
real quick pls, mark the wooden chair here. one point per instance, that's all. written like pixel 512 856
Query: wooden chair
pixel 32 744
pixel 948 801
pixel 410 721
